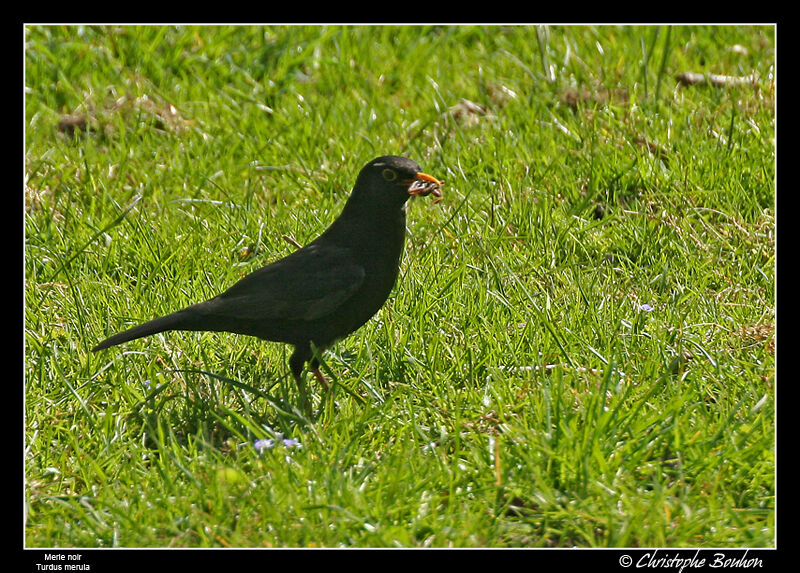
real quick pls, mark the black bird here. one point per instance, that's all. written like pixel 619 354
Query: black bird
pixel 325 290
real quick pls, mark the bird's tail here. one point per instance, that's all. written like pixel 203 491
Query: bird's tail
pixel 176 321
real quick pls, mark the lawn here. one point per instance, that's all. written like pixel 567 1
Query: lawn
pixel 579 351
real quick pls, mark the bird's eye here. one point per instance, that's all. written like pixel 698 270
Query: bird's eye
pixel 389 174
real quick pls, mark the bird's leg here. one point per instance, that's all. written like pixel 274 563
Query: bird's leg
pixel 303 391
pixel 297 364
pixel 313 363
pixel 320 378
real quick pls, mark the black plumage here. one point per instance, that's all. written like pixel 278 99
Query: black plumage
pixel 325 290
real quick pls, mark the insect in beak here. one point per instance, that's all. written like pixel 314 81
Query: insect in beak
pixel 424 184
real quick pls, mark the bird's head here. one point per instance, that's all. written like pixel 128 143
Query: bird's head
pixel 390 180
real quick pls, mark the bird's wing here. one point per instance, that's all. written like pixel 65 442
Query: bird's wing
pixel 307 285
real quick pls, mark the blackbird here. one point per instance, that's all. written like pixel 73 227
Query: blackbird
pixel 325 290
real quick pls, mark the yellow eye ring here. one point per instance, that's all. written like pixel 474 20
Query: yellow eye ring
pixel 389 174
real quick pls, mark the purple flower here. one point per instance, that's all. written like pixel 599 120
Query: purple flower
pixel 646 307
pixel 292 443
pixel 264 444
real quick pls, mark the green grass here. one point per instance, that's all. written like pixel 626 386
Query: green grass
pixel 513 391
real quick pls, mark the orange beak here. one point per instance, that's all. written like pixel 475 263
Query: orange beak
pixel 428 178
